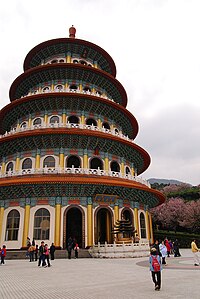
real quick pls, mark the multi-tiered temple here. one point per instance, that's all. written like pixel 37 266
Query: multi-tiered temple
pixel 68 162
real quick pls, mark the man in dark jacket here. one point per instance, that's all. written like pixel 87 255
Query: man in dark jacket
pixel 69 247
pixel 41 255
pixel 52 251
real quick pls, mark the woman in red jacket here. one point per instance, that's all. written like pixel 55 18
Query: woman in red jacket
pixel 168 247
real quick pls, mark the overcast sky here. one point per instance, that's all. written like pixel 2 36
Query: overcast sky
pixel 156 48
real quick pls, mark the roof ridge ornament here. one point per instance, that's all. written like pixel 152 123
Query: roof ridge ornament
pixel 72 32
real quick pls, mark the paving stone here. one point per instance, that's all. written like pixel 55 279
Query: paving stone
pixel 99 279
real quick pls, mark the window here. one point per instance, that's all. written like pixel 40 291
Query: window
pixel 12 226
pixel 73 87
pixel 54 119
pixel 46 89
pixel 73 119
pixel 91 121
pixel 73 160
pixel 142 226
pixel 59 87
pixel 37 121
pixel 41 224
pixel 83 62
pixel 10 166
pixel 49 162
pixel 23 125
pixel 27 164
pixel 127 170
pixel 116 131
pixel 96 163
pixel 86 89
pixel 115 166
pixel 106 125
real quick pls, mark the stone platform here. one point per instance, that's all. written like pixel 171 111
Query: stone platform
pixel 125 250
pixel 99 279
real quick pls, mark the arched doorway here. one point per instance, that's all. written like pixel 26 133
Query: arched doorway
pixel 73 119
pixel 103 226
pixel 114 165
pixel 73 161
pixel 91 122
pixel 96 163
pixel 73 226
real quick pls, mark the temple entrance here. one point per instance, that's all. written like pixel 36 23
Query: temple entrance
pixel 74 225
pixel 103 226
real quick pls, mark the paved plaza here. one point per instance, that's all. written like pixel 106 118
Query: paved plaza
pixel 99 278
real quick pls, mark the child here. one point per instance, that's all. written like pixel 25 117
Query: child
pixel 76 249
pixel 3 254
pixel 155 268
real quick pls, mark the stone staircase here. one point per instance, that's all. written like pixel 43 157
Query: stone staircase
pixel 59 254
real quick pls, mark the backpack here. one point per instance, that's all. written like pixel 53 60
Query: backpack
pixel 2 252
pixel 155 264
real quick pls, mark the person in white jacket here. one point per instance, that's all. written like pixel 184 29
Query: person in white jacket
pixel 163 250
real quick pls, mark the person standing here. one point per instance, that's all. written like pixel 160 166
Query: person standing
pixel 3 254
pixel 156 245
pixel 46 252
pixel 76 249
pixel 163 250
pixel 33 242
pixel 36 253
pixel 176 248
pixel 52 251
pixel 41 255
pixel 155 268
pixel 168 247
pixel 31 253
pixel 195 251
pixel 69 247
pixel 28 244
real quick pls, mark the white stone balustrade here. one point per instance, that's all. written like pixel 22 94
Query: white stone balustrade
pixel 71 90
pixel 73 170
pixel 120 250
pixel 68 125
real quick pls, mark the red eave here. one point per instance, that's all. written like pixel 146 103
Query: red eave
pixel 17 102
pixel 51 42
pixel 79 179
pixel 40 68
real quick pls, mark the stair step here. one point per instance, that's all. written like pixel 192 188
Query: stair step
pixel 59 254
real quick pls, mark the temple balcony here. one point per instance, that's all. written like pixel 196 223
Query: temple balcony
pixel 67 125
pixel 64 89
pixel 74 171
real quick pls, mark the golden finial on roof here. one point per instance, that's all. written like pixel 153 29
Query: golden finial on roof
pixel 72 32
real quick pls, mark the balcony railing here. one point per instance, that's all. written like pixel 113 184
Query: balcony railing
pixel 73 170
pixel 71 90
pixel 68 125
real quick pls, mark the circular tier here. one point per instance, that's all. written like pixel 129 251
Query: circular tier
pixel 28 80
pixel 18 109
pixel 78 47
pixel 65 185
pixel 76 139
